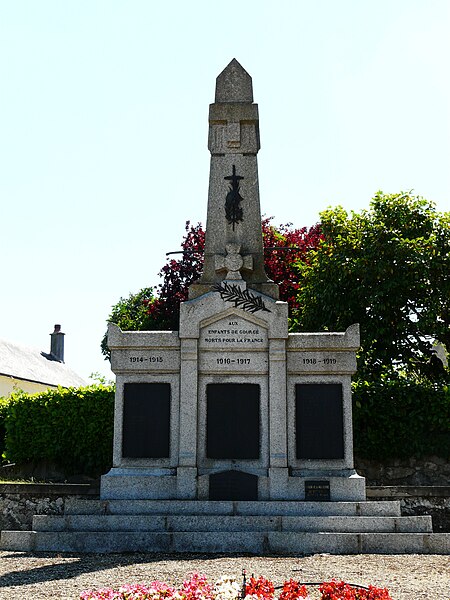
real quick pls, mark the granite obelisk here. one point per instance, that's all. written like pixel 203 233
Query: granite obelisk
pixel 234 246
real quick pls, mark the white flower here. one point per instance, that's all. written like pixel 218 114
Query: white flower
pixel 227 588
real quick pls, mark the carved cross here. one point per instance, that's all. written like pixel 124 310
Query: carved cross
pixel 233 262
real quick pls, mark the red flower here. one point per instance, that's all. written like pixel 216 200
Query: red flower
pixel 293 590
pixel 261 587
pixel 339 590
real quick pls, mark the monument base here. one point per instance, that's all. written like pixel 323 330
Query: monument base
pixel 138 483
pixel 184 483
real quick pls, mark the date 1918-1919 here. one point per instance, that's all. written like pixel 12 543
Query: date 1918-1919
pixel 315 361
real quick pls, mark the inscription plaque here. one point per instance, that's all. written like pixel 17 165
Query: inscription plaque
pixel 233 485
pixel 146 420
pixel 232 420
pixel 319 421
pixel 233 332
pixel 317 491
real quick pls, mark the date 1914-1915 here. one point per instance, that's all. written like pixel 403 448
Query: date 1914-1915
pixel 148 359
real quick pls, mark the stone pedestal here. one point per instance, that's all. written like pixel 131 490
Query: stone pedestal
pixel 291 428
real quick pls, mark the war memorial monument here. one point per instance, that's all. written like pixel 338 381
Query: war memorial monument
pixel 231 434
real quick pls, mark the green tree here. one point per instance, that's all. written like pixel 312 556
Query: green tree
pixel 386 268
pixel 131 313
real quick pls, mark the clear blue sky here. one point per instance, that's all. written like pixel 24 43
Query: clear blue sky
pixel 104 121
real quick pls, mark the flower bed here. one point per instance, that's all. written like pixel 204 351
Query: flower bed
pixel 226 588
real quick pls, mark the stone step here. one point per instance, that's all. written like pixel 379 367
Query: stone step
pixel 275 542
pixel 221 523
pixel 388 508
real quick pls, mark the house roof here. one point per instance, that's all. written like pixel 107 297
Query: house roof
pixel 31 364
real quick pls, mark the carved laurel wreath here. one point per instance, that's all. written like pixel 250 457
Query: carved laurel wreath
pixel 241 298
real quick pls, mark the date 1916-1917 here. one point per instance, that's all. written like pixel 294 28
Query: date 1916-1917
pixel 233 361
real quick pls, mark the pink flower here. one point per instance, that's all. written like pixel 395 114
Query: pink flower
pixel 197 588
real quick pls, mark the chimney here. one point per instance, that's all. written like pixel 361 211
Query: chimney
pixel 57 344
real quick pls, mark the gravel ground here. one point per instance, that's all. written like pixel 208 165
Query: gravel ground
pixel 55 576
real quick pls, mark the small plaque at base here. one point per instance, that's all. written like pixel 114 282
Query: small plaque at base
pixel 317 491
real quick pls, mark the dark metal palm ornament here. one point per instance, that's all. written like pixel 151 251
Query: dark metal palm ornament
pixel 233 211
pixel 242 298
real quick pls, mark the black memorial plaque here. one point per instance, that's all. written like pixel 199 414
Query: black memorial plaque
pixel 319 421
pixel 317 491
pixel 233 485
pixel 146 420
pixel 232 420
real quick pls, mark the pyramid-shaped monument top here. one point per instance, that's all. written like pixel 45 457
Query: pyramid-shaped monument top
pixel 234 84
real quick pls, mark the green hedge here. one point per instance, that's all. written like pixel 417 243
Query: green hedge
pixel 72 428
pixel 3 411
pixel 400 418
